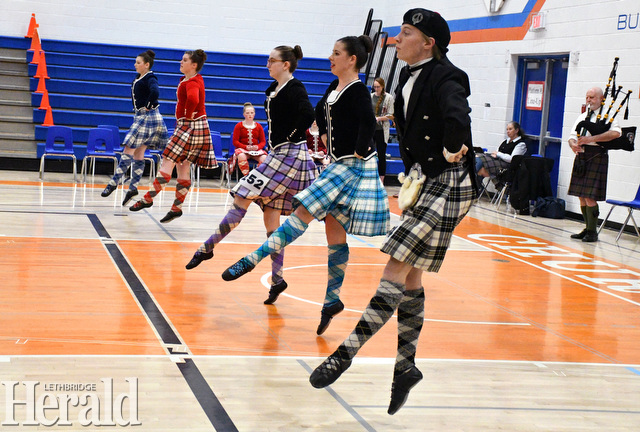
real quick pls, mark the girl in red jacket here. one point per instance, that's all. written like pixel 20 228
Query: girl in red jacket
pixel 191 141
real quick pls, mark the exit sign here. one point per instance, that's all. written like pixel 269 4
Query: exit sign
pixel 538 21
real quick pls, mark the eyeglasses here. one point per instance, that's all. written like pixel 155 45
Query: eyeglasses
pixel 272 60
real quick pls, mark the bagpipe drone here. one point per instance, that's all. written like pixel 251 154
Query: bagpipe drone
pixel 603 122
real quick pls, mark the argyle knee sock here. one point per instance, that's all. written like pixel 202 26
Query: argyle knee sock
pixel 182 189
pixel 292 228
pixel 231 220
pixel 337 264
pixel 378 312
pixel 138 170
pixel 244 166
pixel 158 183
pixel 277 262
pixel 123 166
pixel 410 321
pixel 592 218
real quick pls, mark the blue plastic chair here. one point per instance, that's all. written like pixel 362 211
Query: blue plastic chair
pixel 53 149
pixel 221 158
pixel 100 145
pixel 631 206
pixel 152 156
pixel 216 138
pixel 117 144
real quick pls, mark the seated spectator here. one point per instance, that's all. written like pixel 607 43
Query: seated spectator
pixel 248 140
pixel 317 149
pixel 382 103
pixel 490 164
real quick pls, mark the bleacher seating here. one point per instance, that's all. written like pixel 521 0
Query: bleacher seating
pixel 90 84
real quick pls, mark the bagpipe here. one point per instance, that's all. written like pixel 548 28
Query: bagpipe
pixel 603 122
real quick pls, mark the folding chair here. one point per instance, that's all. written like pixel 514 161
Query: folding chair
pixel 216 140
pixel 51 149
pixel 100 145
pixel 631 206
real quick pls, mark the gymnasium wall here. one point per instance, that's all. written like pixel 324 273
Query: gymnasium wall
pixel 593 32
pixel 486 45
pixel 244 26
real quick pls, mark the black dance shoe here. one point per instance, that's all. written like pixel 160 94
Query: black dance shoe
pixel 401 386
pixel 140 205
pixel 329 371
pixel 328 312
pixel 130 194
pixel 590 237
pixel 108 190
pixel 198 257
pixel 171 215
pixel 275 291
pixel 240 268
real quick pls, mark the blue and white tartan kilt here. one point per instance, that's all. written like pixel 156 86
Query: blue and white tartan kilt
pixel 148 129
pixel 425 231
pixel 350 190
pixel 286 171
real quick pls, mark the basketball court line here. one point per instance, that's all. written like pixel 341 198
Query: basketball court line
pixel 265 282
pixel 166 333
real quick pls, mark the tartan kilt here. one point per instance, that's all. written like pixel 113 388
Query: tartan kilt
pixel 425 231
pixel 593 183
pixel 233 160
pixel 491 164
pixel 148 129
pixel 287 170
pixel 191 141
pixel 350 190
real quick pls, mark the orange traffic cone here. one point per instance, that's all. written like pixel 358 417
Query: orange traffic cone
pixel 44 102
pixel 35 40
pixel 41 72
pixel 36 57
pixel 32 26
pixel 48 118
pixel 42 87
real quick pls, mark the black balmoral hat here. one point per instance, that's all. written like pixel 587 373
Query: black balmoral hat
pixel 430 23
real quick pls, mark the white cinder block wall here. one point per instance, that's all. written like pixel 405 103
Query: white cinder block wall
pixel 247 26
pixel 592 29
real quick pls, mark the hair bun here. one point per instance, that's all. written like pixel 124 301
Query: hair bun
pixel 202 54
pixel 297 51
pixel 151 54
pixel 366 42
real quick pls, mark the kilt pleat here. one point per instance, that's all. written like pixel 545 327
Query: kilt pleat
pixel 593 183
pixel 350 190
pixel 425 231
pixel 191 141
pixel 286 171
pixel 148 129
pixel 491 164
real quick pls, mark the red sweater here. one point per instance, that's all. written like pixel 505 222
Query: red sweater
pixel 242 137
pixel 310 142
pixel 191 98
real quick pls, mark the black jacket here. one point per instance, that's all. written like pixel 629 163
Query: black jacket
pixel 289 113
pixel 437 117
pixel 145 91
pixel 349 121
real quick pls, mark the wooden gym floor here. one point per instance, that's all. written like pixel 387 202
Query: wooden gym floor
pixel 525 329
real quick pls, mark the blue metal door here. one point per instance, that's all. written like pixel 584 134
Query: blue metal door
pixel 539 105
